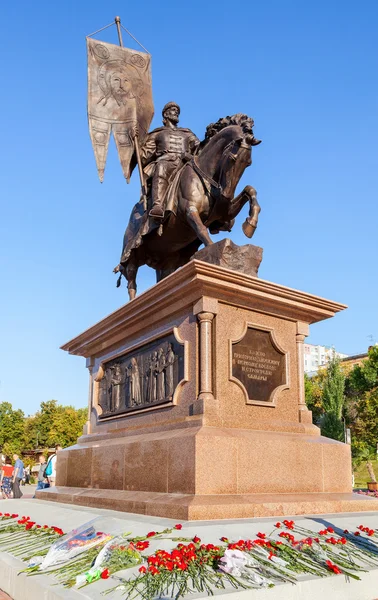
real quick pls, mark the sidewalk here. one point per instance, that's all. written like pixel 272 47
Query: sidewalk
pixel 70 516
pixel 28 492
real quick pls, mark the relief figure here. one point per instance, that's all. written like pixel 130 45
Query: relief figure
pixel 169 361
pixel 160 375
pixel 116 383
pixel 152 378
pixel 103 398
pixel 135 396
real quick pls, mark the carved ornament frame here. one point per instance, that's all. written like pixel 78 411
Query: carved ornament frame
pixel 271 403
pixel 138 346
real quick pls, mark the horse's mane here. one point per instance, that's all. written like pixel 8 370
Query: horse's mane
pixel 238 119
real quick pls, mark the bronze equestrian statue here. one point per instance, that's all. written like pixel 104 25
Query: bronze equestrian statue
pixel 163 153
pixel 191 188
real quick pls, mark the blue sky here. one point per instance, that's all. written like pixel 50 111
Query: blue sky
pixel 306 72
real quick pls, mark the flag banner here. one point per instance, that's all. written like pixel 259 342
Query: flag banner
pixel 119 99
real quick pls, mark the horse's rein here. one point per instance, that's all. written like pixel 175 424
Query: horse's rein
pixel 226 154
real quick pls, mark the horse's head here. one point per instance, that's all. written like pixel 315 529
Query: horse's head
pixel 231 140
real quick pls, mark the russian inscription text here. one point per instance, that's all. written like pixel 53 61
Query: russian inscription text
pixel 258 364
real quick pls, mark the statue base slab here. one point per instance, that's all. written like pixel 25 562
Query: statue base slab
pixel 197 406
pixel 196 507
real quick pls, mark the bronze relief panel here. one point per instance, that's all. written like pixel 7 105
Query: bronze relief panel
pixel 258 365
pixel 141 379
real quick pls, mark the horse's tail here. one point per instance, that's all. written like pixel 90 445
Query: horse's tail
pixel 118 269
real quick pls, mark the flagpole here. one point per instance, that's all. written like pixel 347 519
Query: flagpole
pixel 117 21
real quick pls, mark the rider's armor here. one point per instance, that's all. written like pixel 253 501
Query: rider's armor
pixel 164 152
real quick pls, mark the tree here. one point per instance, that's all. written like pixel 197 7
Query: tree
pixel 364 377
pixel 54 424
pixel 313 394
pixel 11 429
pixel 363 401
pixel 333 400
pixel 362 453
pixel 67 426
pixel 37 427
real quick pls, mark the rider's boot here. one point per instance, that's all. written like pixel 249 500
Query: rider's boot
pixel 159 186
pixel 157 211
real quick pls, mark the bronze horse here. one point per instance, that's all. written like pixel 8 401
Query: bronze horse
pixel 204 200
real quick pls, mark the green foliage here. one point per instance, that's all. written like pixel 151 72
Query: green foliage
pixel 332 427
pixel 364 377
pixel 362 413
pixel 333 401
pixel 366 423
pixel 362 475
pixel 333 390
pixel 314 393
pixel 364 455
pixel 67 426
pixel 52 424
pixel 11 429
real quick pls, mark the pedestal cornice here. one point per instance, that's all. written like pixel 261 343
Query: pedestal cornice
pixel 174 294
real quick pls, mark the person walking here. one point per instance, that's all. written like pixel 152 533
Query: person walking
pixel 42 479
pixel 52 475
pixel 17 476
pixel 27 475
pixel 6 478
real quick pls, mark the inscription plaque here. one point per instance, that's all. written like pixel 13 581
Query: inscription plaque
pixel 143 378
pixel 259 365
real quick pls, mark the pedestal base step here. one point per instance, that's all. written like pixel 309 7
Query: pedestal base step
pixel 211 507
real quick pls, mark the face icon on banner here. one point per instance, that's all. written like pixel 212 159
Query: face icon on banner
pixel 120 81
pixel 119 99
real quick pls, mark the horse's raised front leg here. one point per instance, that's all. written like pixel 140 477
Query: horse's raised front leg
pixel 247 195
pixel 250 224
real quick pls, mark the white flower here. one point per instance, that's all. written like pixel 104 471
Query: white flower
pixel 36 560
pixel 81 580
pixel 233 561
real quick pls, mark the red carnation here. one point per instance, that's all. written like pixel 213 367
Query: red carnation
pixel 142 569
pixel 333 567
pixel 278 524
pixel 151 534
pixel 261 535
pixel 105 574
pixel 178 526
pixel 196 539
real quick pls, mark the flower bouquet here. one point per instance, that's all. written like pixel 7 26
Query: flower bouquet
pixel 116 555
pixel 22 537
pixel 68 547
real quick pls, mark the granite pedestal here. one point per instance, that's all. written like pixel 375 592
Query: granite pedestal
pixel 196 405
